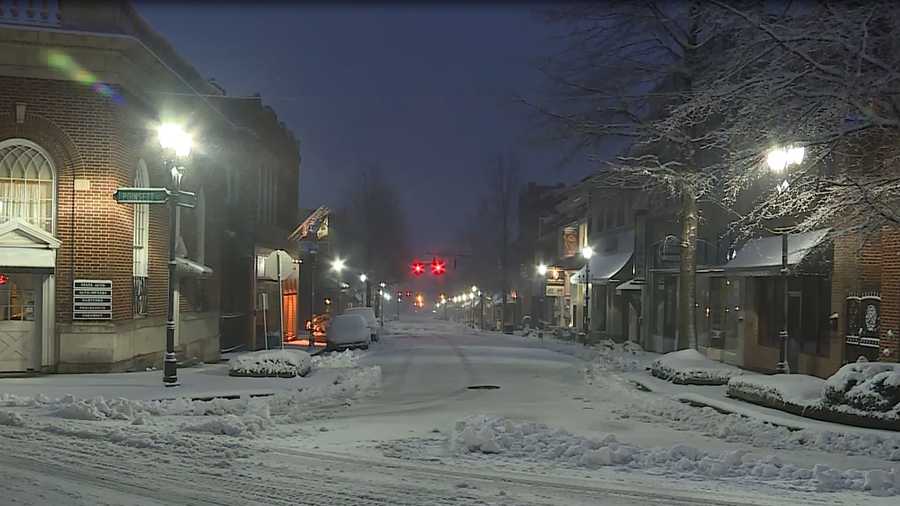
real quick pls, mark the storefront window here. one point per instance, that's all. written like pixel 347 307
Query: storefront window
pixel 16 298
pixel 26 184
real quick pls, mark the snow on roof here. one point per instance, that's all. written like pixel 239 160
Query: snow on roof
pixel 765 252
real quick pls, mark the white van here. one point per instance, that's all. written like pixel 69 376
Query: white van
pixel 369 315
pixel 348 331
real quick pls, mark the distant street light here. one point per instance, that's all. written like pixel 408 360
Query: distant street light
pixel 363 278
pixel 176 144
pixel 779 160
pixel 474 288
pixel 542 269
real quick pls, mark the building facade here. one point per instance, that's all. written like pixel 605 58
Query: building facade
pixel 83 279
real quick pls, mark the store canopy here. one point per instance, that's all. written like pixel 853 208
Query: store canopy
pixel 604 267
pixel 763 256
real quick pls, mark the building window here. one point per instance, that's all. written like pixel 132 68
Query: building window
pixel 17 298
pixel 26 184
pixel 809 305
pixel 141 243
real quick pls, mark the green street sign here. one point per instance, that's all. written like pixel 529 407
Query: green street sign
pixel 141 195
pixel 187 199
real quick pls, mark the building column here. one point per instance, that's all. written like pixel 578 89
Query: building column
pixel 890 295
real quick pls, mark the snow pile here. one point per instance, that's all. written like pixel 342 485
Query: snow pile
pixel 95 409
pixel 866 386
pixel 233 425
pixel 690 367
pixel 797 389
pixel 735 428
pixel 286 406
pixel 283 363
pixel 539 443
pixel 337 360
pixel 11 419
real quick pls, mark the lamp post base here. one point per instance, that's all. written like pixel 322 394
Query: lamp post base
pixel 170 374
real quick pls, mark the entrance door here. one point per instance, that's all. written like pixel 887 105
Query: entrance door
pixel 19 334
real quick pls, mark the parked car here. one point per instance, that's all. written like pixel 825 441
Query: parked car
pixel 348 331
pixel 369 315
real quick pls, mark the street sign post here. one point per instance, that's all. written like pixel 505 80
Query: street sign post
pixel 141 195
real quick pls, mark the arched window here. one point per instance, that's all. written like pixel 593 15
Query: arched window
pixel 26 183
pixel 141 242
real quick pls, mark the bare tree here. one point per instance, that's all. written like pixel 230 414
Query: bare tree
pixel 489 230
pixel 375 234
pixel 625 66
pixel 822 75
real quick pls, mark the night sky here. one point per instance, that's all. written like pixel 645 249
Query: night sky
pixel 424 92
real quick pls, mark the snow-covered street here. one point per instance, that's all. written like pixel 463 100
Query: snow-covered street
pixel 551 423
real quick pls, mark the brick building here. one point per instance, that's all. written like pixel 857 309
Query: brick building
pixel 82 88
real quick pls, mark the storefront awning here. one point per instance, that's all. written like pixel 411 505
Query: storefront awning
pixel 604 267
pixel 762 257
pixel 188 268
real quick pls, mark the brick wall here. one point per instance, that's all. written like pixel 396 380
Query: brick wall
pixel 890 293
pixel 869 264
pixel 89 137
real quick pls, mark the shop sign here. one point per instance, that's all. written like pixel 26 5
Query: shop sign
pixel 92 299
pixel 570 241
pixel 555 291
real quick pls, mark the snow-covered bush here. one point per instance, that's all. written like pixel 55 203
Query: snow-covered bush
pixel 690 367
pixel 797 389
pixel 867 386
pixel 282 363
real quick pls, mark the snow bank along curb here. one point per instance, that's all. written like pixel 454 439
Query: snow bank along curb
pixel 269 363
pixel 864 395
pixel 538 442
pixel 246 416
pixel 690 367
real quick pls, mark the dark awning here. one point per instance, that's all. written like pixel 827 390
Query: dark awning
pixel 762 257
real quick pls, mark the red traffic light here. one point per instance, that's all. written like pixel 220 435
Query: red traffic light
pixel 438 266
pixel 418 268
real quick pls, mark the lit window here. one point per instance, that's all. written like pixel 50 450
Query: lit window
pixel 26 184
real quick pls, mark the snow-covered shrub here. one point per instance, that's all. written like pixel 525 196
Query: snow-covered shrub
pixel 867 386
pixel 797 389
pixel 283 363
pixel 690 367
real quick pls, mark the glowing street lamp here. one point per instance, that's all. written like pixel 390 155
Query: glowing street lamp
pixel 542 269
pixel 779 160
pixel 176 144
pixel 363 278
pixel 338 264
pixel 587 252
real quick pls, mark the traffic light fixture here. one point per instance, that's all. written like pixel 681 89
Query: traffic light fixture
pixel 438 266
pixel 418 268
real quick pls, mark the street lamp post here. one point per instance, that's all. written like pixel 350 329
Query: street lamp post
pixel 587 252
pixel 176 143
pixel 365 279
pixel 542 272
pixel 779 159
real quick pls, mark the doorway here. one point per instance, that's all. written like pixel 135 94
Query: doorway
pixel 20 329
